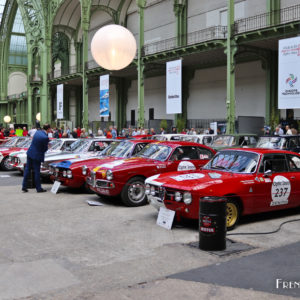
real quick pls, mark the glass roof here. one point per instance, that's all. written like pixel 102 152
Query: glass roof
pixel 2 5
pixel 18 46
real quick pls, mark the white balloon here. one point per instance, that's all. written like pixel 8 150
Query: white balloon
pixel 7 119
pixel 113 47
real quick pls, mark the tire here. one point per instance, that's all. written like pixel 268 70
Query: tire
pixel 133 193
pixel 4 164
pixel 233 214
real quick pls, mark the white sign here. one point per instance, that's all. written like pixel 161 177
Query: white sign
pixel 174 93
pixel 55 187
pixel 60 102
pixel 289 73
pixel 165 218
pixel 185 166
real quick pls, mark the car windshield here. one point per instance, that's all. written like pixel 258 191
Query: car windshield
pixel 55 144
pixel 272 142
pixel 21 142
pixel 118 149
pixel 220 141
pixel 79 145
pixel 155 151
pixel 25 143
pixel 189 138
pixel 10 142
pixel 234 161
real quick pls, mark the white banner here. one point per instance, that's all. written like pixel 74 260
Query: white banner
pixel 289 73
pixel 60 102
pixel 173 95
pixel 104 96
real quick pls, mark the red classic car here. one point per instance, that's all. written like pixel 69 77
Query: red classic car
pixel 73 172
pixel 252 180
pixel 126 177
pixel 22 144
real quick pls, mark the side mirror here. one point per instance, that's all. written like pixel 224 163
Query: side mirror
pixel 267 173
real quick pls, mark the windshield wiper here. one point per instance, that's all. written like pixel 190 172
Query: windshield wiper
pixel 220 167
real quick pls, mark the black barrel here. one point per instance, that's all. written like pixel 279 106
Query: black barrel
pixel 31 181
pixel 212 223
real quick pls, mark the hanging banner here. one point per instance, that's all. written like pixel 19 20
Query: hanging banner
pixel 289 73
pixel 174 87
pixel 60 102
pixel 104 96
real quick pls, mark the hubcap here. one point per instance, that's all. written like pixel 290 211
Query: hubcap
pixel 136 192
pixel 232 214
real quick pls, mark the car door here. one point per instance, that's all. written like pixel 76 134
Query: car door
pixel 273 183
pixel 294 175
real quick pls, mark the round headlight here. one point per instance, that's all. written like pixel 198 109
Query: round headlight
pixel 109 175
pixel 84 170
pixel 152 190
pixel 147 189
pixel 187 198
pixel 64 173
pixel 69 174
pixel 178 196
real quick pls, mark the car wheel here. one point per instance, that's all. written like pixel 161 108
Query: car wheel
pixel 133 193
pixel 233 214
pixel 5 164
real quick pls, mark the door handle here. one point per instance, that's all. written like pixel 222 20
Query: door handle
pixel 292 177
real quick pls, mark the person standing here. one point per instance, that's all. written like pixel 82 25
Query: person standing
pixel 35 156
pixel 25 131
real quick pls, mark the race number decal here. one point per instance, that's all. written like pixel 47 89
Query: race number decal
pixel 184 177
pixel 280 192
pixel 186 166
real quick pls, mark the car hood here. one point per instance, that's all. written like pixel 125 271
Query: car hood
pixel 128 163
pixel 190 181
pixel 65 156
pixel 7 151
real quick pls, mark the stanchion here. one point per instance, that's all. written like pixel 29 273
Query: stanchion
pixel 212 223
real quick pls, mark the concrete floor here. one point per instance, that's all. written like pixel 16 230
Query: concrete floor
pixel 59 247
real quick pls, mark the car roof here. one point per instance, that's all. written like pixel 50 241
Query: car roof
pixel 175 144
pixel 281 135
pixel 260 150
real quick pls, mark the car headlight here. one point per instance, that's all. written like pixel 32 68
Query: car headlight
pixel 64 173
pixel 178 196
pixel 84 170
pixel 109 175
pixel 152 190
pixel 187 198
pixel 147 189
pixel 69 174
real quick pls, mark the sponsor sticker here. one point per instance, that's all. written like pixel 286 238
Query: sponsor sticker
pixel 214 175
pixel 187 177
pixel 280 191
pixel 113 164
pixel 186 166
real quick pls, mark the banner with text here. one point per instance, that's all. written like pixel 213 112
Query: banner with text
pixel 60 101
pixel 104 96
pixel 174 87
pixel 288 73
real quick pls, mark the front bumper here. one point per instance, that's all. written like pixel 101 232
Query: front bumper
pixel 104 187
pixel 156 202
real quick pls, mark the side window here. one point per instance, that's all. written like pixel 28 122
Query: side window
pixel 185 153
pixel 294 163
pixel 274 163
pixel 253 140
pixel 293 142
pixel 204 153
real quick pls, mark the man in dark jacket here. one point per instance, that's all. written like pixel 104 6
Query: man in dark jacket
pixel 35 156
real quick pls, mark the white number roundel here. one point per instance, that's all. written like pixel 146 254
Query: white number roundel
pixel 281 190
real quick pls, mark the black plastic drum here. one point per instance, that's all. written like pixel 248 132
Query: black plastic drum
pixel 212 223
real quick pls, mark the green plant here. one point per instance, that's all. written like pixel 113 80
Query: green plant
pixel 180 124
pixel 164 124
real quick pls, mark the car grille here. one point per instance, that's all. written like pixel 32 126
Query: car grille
pixel 15 160
pixel 170 195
